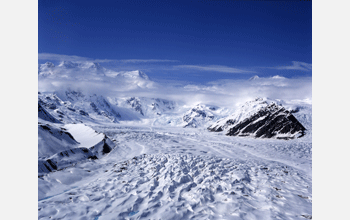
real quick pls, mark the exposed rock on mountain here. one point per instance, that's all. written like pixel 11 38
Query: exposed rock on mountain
pixel 254 78
pixel 137 74
pixel 43 114
pixel 73 106
pixel 135 104
pixel 54 139
pixel 261 120
pixel 149 106
pixel 64 159
pixel 58 149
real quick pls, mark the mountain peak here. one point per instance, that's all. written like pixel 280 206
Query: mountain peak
pixel 141 74
pixel 254 78
pixel 261 119
pixel 135 74
pixel 96 66
pixel 49 64
pixel 68 64
pixel 90 65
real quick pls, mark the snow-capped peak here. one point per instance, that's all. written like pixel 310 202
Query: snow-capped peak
pixel 48 65
pixel 198 115
pixel 91 65
pixel 134 74
pixel 254 78
pixel 261 118
pixel 245 111
pixel 68 64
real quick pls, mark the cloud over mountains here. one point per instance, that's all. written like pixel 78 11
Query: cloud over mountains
pixel 91 77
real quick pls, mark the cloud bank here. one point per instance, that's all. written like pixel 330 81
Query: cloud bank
pixel 90 78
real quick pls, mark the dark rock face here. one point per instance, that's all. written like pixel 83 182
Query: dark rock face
pixel 106 148
pixel 135 104
pixel 272 121
pixel 83 113
pixel 43 114
pixel 71 157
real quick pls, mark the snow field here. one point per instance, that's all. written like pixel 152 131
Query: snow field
pixel 178 186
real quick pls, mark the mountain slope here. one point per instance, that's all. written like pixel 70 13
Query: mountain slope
pixel 58 148
pixel 261 120
pixel 197 116
pixel 53 139
pixel 43 114
pixel 72 106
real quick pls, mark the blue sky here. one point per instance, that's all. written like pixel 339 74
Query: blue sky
pixel 197 41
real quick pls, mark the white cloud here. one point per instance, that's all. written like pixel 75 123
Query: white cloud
pixel 214 68
pixel 297 65
pixel 145 61
pixel 223 93
pixel 61 57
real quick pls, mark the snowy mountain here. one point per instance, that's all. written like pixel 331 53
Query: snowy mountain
pixel 137 74
pixel 66 69
pixel 147 107
pixel 254 78
pixel 72 106
pixel 261 119
pixel 44 115
pixel 198 115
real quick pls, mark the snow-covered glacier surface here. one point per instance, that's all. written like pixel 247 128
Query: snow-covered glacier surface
pixel 135 157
